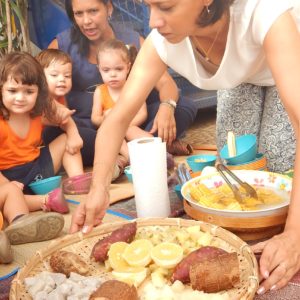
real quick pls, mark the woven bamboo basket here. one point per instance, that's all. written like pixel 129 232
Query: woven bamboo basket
pixel 83 244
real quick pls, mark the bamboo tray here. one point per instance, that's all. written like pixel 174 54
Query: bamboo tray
pixel 82 245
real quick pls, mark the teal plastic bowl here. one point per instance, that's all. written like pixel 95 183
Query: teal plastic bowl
pixel 45 186
pixel 246 149
pixel 128 173
pixel 200 161
pixel 177 189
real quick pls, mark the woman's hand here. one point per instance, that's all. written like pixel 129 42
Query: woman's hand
pixel 164 124
pixel 280 260
pixel 91 212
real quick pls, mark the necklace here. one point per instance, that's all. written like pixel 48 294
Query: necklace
pixel 202 50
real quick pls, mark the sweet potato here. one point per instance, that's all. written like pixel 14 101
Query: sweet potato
pixel 181 271
pixel 216 274
pixel 123 234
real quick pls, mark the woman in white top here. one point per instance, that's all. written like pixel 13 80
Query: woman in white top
pixel 216 44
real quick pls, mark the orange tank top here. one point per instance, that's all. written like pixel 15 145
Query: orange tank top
pixel 107 100
pixel 61 100
pixel 14 150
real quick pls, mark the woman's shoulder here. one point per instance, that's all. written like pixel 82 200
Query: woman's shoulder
pixel 64 40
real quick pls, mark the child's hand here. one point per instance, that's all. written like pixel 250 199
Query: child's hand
pixel 74 144
pixel 106 112
pixel 20 185
pixel 63 114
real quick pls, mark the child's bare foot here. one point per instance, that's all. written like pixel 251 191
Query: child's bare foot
pixel 6 256
pixel 56 201
pixel 35 227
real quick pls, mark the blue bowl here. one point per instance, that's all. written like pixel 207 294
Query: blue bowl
pixel 200 161
pixel 246 149
pixel 128 173
pixel 45 186
pixel 177 189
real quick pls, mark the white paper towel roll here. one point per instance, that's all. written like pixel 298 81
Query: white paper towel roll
pixel 149 173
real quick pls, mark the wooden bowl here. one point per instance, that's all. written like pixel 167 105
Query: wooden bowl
pixel 249 225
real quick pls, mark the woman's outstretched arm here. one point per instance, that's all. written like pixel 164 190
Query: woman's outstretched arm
pixel 146 71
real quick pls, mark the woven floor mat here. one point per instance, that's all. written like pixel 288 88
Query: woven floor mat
pixel 203 130
pixel 22 253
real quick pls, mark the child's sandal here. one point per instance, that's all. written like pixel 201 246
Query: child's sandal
pixel 56 201
pixel 121 163
pixel 77 185
pixel 179 148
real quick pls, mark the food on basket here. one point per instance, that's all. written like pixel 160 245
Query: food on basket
pixel 47 285
pixel 66 262
pixel 221 197
pixel 182 270
pixel 123 234
pixel 131 275
pixel 138 253
pixel 115 290
pixel 167 255
pixel 115 257
pixel 158 278
pixel 216 274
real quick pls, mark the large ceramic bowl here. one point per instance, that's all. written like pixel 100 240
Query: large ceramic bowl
pixel 281 184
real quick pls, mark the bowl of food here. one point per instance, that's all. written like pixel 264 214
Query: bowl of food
pixel 245 150
pixel 210 194
pixel 128 173
pixel 200 161
pixel 45 186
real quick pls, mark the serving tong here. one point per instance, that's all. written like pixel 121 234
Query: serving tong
pixel 183 173
pixel 222 169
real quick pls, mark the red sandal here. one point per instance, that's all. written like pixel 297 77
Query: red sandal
pixel 56 201
pixel 179 148
pixel 77 185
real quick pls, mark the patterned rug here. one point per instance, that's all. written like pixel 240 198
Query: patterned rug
pixel 203 130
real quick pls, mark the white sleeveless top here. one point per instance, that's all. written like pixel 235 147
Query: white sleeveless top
pixel 244 60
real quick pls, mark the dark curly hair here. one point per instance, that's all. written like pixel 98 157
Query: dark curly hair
pixel 216 10
pixel 76 35
pixel 25 69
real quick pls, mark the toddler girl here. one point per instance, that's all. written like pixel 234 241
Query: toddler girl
pixel 24 108
pixel 114 62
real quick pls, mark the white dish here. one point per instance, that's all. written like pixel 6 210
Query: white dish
pixel 280 183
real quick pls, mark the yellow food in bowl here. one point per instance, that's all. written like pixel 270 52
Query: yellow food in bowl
pixel 200 160
pixel 222 198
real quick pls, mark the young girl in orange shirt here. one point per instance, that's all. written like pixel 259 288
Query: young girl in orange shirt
pixel 25 108
pixel 114 62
